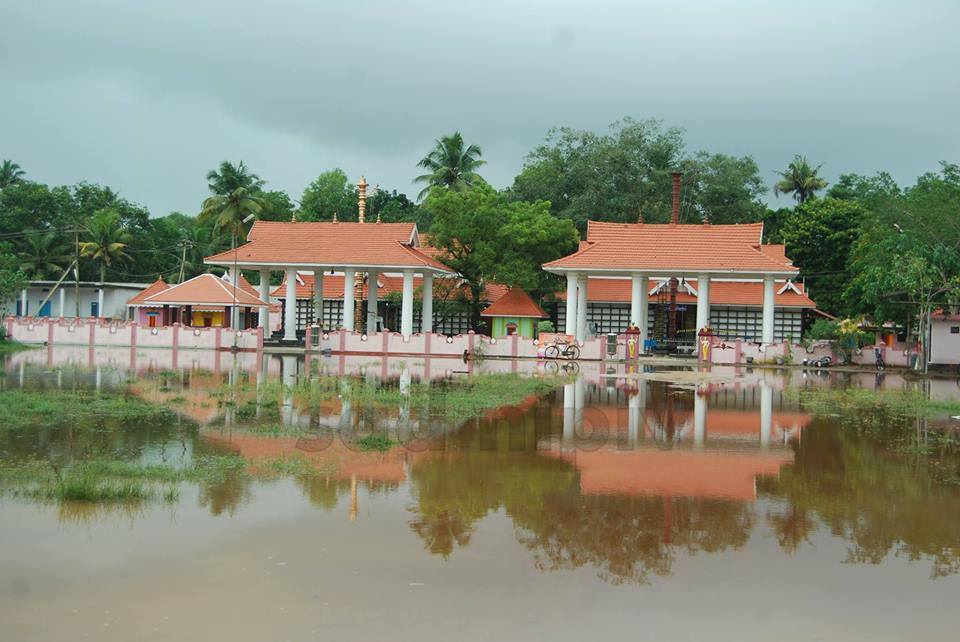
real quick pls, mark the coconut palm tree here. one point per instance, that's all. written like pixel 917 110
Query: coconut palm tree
pixel 231 212
pixel 10 173
pixel 450 164
pixel 44 255
pixel 107 244
pixel 229 177
pixel 800 179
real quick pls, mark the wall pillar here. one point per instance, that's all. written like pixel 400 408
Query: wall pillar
pixel 349 284
pixel 23 302
pixel 63 302
pixel 264 321
pixel 582 308
pixel 768 307
pixel 290 308
pixel 318 297
pixel 100 313
pixel 703 301
pixel 570 323
pixel 372 302
pixel 406 310
pixel 426 295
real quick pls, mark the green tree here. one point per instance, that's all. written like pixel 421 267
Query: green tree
pixel 800 179
pixel 44 255
pixel 10 174
pixel 107 242
pixel 451 164
pixel 819 237
pixel 487 237
pixel 277 206
pixel 329 193
pixel 908 248
pixel 231 213
pixel 228 178
pixel 11 277
pixel 625 174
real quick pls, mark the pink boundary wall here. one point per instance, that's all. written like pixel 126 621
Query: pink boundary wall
pixel 98 332
pixel 737 352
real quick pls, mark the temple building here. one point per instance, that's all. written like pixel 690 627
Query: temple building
pixel 357 252
pixel 651 257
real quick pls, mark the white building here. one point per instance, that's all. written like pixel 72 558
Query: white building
pixel 103 300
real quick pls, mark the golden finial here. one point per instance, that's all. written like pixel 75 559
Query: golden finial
pixel 334 217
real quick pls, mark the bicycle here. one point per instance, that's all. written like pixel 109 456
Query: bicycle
pixel 559 349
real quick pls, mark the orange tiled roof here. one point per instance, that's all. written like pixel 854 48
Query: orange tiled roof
pixel 157 286
pixel 331 244
pixel 205 289
pixel 664 247
pixel 515 303
pixel 747 293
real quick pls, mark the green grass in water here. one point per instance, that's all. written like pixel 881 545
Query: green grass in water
pixel 377 441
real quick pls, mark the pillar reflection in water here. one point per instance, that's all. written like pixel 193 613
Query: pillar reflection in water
pixel 636 406
pixel 569 411
pixel 699 417
pixel 289 368
pixel 766 413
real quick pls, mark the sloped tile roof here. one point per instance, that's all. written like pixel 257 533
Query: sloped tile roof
pixel 684 248
pixel 735 293
pixel 515 303
pixel 331 244
pixel 157 286
pixel 205 289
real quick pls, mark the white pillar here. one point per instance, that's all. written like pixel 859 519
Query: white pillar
pixel 23 302
pixel 570 323
pixel 635 289
pixel 372 302
pixel 699 418
pixel 349 283
pixel 100 302
pixel 290 308
pixel 703 301
pixel 768 307
pixel 63 301
pixel 318 297
pixel 644 312
pixel 264 321
pixel 766 413
pixel 406 309
pixel 582 308
pixel 426 294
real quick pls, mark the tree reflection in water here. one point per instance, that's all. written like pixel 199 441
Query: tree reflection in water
pixel 879 501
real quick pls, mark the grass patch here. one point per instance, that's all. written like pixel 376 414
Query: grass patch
pixel 897 420
pixel 43 409
pixel 9 347
pixel 377 441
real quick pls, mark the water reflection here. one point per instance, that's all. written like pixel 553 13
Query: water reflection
pixel 616 471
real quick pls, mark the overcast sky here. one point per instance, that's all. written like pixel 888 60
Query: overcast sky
pixel 146 96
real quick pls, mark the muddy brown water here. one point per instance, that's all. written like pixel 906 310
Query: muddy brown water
pixel 618 506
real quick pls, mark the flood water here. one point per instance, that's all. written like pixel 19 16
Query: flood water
pixel 619 505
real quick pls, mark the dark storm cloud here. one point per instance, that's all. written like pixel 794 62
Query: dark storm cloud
pixel 146 96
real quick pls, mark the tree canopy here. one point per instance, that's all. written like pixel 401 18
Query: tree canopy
pixel 800 179
pixel 625 174
pixel 451 164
